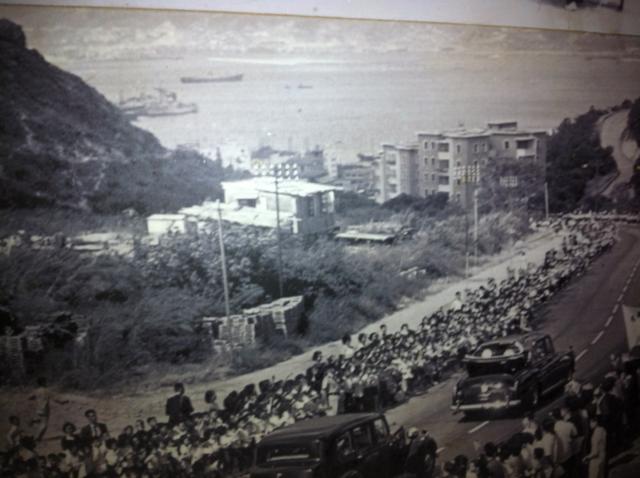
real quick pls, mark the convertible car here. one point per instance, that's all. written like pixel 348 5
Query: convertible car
pixel 511 373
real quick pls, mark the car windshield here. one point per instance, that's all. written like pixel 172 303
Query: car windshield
pixel 279 453
pixel 500 364
pixel 499 350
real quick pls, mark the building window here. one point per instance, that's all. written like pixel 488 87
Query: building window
pixel 443 180
pixel 506 145
pixel 433 177
pixel 457 164
pixel 311 207
pixel 458 182
pixel 426 145
pixel 433 162
pixel 325 203
pixel 476 148
pixel 391 159
pixel 485 147
pixel 458 148
pixel 443 165
pixel 426 162
pixel 443 147
pixel 433 145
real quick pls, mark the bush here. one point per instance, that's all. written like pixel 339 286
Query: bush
pixel 574 157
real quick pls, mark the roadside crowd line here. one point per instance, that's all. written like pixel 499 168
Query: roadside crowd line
pixel 596 338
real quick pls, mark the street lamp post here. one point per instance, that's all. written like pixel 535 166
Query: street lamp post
pixel 278 233
pixel 223 260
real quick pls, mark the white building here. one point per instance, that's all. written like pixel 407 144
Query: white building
pixel 305 208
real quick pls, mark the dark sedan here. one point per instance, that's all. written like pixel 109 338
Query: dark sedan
pixel 346 446
pixel 511 373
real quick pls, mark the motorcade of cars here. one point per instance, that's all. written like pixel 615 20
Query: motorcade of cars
pixel 355 445
pixel 511 373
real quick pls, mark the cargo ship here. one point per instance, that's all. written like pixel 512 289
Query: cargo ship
pixel 211 79
pixel 163 103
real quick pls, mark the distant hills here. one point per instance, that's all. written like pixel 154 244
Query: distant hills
pixel 62 144
pixel 79 33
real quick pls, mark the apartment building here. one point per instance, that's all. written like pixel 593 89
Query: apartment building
pixel 452 162
pixel 309 165
pixel 395 172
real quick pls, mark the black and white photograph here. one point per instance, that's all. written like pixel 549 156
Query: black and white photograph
pixel 271 245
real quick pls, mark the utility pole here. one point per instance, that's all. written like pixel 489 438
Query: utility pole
pixel 475 226
pixel 223 259
pixel 466 220
pixel 275 174
pixel 546 201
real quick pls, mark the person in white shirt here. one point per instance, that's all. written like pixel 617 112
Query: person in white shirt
pixel 331 392
pixel 567 434
pixel 347 349
pixel 456 304
pixel 549 442
pixel 573 386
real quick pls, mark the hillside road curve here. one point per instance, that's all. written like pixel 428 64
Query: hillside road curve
pixel 586 316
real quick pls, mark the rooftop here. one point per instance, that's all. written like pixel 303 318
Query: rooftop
pixel 507 127
pixel 288 187
pixel 239 214
pixel 166 217
pixel 400 146
pixel 318 427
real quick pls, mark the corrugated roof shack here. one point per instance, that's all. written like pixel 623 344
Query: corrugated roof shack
pixel 277 318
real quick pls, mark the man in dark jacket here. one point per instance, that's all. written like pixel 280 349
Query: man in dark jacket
pixel 178 407
pixel 421 454
pixel 93 430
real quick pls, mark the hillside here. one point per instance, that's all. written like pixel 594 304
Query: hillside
pixel 62 144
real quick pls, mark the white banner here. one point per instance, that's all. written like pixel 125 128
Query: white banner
pixel 632 324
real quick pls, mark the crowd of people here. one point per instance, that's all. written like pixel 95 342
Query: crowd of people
pixel 575 440
pixel 373 372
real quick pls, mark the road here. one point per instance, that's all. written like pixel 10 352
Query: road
pixel 586 315
pixel 625 151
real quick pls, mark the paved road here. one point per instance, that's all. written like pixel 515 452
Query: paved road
pixel 586 316
pixel 625 151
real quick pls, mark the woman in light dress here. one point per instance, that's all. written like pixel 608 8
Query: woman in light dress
pixel 597 458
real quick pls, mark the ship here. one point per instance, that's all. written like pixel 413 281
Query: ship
pixel 211 79
pixel 162 103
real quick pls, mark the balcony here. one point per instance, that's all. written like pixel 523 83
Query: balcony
pixel 525 153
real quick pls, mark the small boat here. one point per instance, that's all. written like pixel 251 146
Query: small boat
pixel 304 87
pixel 211 79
